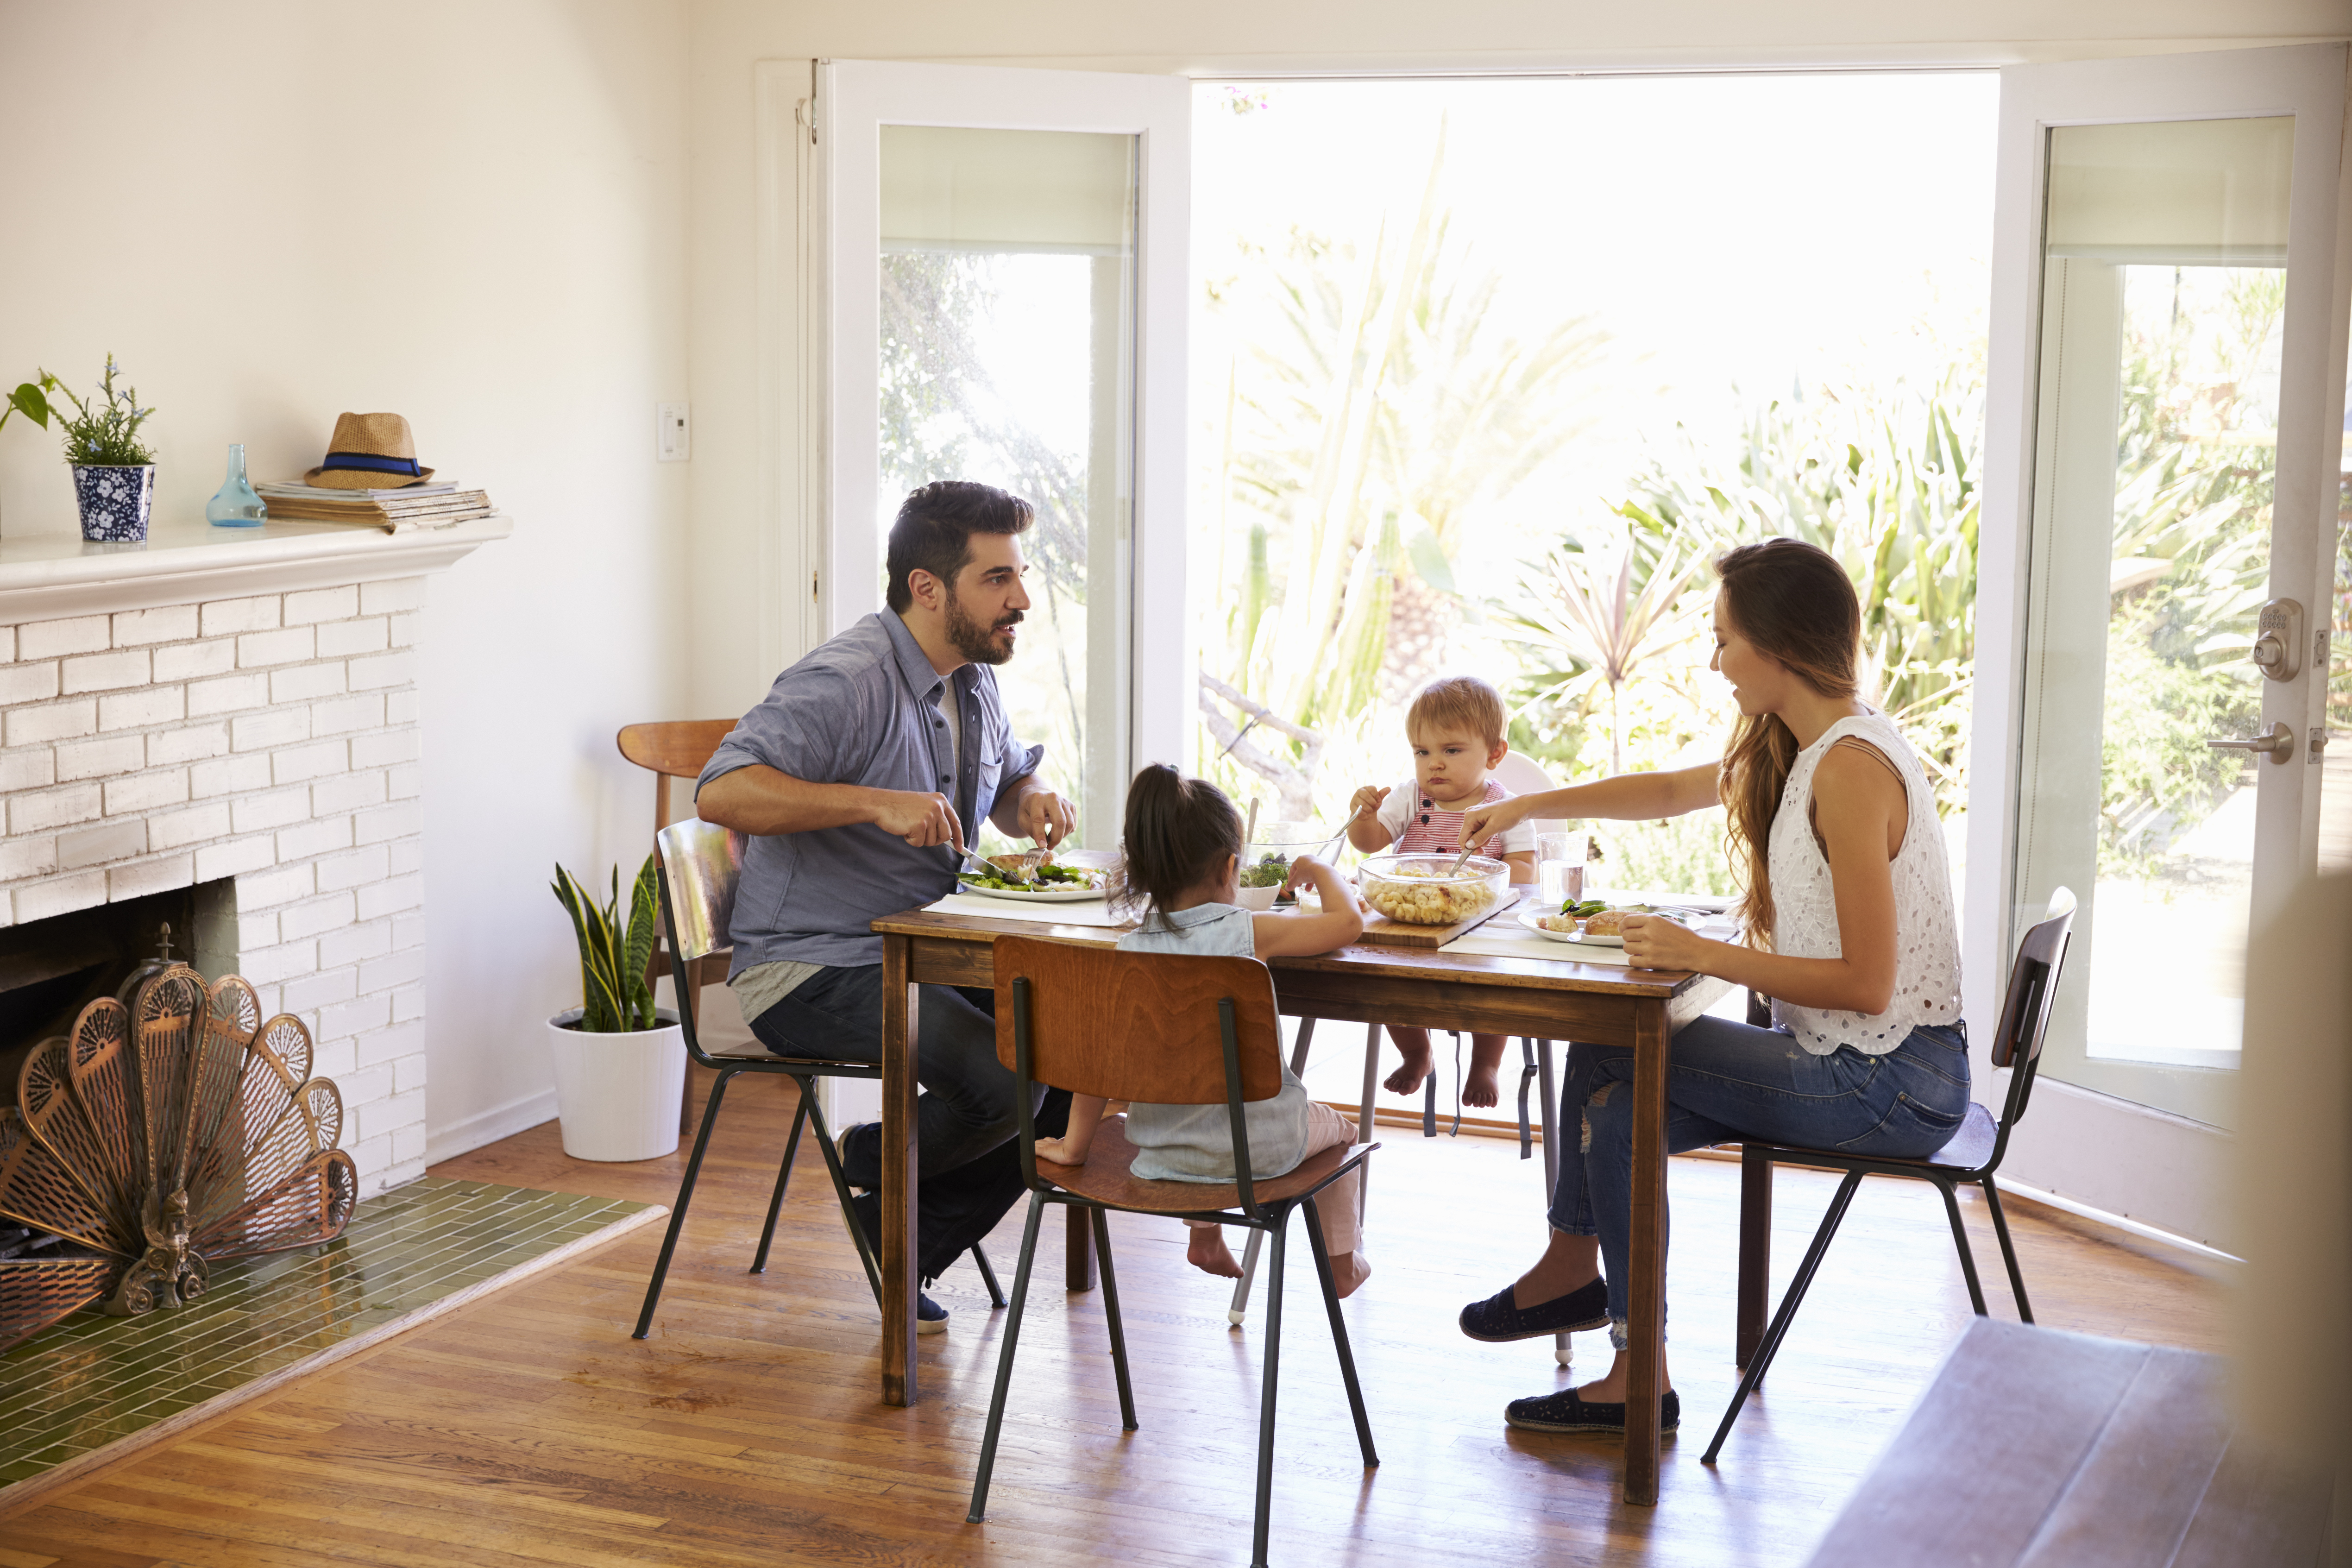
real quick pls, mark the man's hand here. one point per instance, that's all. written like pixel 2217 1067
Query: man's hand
pixel 1045 817
pixel 922 820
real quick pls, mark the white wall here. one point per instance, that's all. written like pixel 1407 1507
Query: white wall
pixel 473 214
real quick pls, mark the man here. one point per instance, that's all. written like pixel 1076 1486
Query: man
pixel 861 779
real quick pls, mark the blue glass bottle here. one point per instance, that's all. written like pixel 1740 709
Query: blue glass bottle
pixel 236 504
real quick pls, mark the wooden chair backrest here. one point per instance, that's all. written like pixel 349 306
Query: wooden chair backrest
pixel 2025 1010
pixel 701 864
pixel 678 749
pixel 1138 1026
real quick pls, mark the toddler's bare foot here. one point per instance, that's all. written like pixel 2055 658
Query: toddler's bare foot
pixel 1407 1079
pixel 1208 1253
pixel 1478 1086
pixel 1347 1272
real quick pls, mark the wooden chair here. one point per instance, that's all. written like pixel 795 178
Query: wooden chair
pixel 1972 1156
pixel 698 867
pixel 1167 1030
pixel 679 750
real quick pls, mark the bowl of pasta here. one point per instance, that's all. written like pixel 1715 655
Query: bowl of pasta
pixel 1427 890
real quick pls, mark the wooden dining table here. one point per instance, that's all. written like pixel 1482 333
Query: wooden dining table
pixel 1537 997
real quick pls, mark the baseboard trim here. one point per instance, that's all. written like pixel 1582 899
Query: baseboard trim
pixel 488 1126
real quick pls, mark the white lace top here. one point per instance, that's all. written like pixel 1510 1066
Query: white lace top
pixel 1926 931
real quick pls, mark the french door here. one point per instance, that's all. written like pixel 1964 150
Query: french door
pixel 1006 264
pixel 2157 580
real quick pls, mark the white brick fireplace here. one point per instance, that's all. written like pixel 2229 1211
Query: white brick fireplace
pixel 241 710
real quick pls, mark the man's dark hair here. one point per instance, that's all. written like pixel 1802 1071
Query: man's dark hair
pixel 933 533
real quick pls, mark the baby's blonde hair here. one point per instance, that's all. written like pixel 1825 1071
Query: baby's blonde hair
pixel 1461 702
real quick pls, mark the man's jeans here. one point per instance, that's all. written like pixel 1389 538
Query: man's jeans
pixel 1728 1081
pixel 835 1014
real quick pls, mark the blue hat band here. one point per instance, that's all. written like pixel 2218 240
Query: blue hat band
pixel 370 463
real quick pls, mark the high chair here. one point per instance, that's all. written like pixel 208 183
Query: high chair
pixel 1165 1029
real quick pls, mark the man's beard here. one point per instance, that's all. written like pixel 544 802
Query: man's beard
pixel 976 642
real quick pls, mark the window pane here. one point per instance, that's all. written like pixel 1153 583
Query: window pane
pixel 2163 304
pixel 1007 310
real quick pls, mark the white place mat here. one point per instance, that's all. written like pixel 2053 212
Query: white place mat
pixel 1488 940
pixel 1077 913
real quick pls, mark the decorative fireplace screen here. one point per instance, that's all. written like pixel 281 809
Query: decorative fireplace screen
pixel 157 1137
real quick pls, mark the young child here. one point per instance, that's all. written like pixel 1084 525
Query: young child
pixel 1457 726
pixel 1183 862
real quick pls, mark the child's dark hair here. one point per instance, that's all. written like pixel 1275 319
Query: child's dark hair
pixel 1178 831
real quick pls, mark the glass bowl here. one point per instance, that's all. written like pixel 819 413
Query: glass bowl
pixel 1424 890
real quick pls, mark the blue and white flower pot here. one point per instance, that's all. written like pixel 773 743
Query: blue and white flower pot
pixel 115 502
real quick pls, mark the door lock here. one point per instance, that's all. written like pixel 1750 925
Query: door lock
pixel 2277 742
pixel 2278 640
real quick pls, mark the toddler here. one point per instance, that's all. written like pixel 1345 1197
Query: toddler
pixel 1457 726
pixel 1183 862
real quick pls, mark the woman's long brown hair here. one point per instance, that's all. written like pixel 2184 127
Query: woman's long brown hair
pixel 1793 602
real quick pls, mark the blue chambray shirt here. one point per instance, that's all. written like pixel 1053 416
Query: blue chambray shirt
pixel 861 710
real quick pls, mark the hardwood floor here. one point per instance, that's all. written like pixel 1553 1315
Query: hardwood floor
pixel 530 1429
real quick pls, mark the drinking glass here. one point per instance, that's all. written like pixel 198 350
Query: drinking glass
pixel 1559 867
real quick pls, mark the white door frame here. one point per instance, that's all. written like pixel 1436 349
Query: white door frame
pixel 857 98
pixel 2118 1156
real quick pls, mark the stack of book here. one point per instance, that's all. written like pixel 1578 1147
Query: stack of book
pixel 395 511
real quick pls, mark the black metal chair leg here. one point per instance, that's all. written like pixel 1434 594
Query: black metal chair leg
pixel 841 1193
pixel 1526 1082
pixel 995 1291
pixel 1110 1311
pixel 1265 1394
pixel 1004 1360
pixel 783 1179
pixel 1429 1104
pixel 1339 1333
pixel 1770 1347
pixel 1967 1255
pixel 2008 1251
pixel 677 1209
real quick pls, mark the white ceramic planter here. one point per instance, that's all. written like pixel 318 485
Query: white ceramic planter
pixel 618 1094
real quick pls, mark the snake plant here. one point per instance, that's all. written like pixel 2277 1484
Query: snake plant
pixel 614 998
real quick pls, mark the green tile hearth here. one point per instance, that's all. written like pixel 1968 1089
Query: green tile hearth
pixel 94 1380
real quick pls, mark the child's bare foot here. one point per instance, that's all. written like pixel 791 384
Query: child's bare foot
pixel 1208 1253
pixel 1478 1086
pixel 1347 1272
pixel 1407 1079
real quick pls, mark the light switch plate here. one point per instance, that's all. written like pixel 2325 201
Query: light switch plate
pixel 673 439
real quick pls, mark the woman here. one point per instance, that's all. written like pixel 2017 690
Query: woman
pixel 1849 927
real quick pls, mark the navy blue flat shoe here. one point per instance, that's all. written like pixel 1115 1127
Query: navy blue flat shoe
pixel 1496 1322
pixel 1564 1412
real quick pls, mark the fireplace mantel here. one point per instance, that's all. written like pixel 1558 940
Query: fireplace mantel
pixel 49 577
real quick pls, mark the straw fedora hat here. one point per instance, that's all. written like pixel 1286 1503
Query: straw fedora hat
pixel 369 452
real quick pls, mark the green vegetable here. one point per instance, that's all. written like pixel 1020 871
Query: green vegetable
pixel 1581 911
pixel 1270 872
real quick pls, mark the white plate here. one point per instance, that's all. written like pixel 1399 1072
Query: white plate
pixel 1532 920
pixel 1057 896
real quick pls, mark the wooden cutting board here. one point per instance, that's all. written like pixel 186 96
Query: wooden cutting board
pixel 1387 932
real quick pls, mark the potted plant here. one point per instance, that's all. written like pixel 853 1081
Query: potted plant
pixel 620 1063
pixel 114 471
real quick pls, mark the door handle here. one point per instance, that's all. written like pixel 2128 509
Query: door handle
pixel 2277 742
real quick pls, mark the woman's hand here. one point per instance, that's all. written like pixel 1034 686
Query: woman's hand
pixel 1655 941
pixel 1483 822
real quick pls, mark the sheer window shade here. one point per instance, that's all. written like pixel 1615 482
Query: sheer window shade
pixel 1069 193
